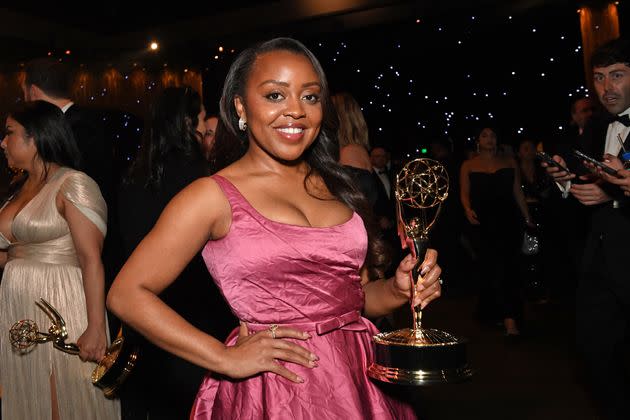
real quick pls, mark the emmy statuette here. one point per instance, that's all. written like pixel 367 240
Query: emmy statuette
pixel 109 373
pixel 417 355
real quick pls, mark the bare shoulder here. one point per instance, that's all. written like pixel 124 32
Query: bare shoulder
pixel 355 155
pixel 467 164
pixel 200 191
pixel 355 148
pixel 203 203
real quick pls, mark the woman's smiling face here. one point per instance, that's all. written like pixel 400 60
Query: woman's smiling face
pixel 282 104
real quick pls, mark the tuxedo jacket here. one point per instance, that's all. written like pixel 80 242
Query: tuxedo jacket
pixel 609 222
pixel 95 146
pixel 94 140
pixel 384 206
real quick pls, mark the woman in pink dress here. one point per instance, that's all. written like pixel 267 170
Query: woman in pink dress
pixel 285 237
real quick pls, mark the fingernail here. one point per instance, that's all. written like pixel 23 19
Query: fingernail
pixel 314 357
pixel 306 335
pixel 300 379
pixel 424 270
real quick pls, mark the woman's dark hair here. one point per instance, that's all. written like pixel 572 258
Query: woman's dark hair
pixel 489 126
pixel 49 129
pixel 323 155
pixel 171 130
pixel 526 139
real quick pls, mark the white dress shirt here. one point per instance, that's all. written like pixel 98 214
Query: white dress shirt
pixel 66 107
pixel 615 136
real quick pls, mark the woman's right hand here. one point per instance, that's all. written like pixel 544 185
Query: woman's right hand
pixel 260 352
pixel 472 217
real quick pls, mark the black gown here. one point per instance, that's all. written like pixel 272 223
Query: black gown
pixel 497 241
pixel 164 386
pixel 382 206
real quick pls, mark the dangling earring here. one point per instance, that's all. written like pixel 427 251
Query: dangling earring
pixel 477 147
pixel 242 125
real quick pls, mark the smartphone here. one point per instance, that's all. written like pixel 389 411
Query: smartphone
pixel 549 160
pixel 595 162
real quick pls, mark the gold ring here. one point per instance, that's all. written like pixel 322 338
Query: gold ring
pixel 273 329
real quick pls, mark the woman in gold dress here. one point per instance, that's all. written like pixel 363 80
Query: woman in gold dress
pixel 51 235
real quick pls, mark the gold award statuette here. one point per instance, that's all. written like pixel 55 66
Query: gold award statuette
pixel 419 356
pixel 109 373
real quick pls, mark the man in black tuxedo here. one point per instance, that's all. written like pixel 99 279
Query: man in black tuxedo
pixel 50 80
pixel 385 205
pixel 379 159
pixel 563 239
pixel 603 294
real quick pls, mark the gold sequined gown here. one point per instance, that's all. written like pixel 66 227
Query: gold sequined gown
pixel 42 262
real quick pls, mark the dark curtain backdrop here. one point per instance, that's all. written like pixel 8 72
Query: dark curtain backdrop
pixel 130 91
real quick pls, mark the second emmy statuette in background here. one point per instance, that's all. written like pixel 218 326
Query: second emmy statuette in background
pixel 110 372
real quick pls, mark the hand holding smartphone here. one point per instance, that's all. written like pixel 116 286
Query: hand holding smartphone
pixel 549 160
pixel 601 165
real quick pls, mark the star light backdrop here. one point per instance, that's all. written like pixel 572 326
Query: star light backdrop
pixel 444 77
pixel 418 80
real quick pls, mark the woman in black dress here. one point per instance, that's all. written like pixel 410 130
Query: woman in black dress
pixel 495 207
pixel 164 386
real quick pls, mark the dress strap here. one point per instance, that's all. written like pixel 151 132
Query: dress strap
pixel 231 192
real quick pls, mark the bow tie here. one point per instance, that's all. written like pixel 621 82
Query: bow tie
pixel 623 119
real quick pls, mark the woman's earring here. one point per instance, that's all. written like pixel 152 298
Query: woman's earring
pixel 242 125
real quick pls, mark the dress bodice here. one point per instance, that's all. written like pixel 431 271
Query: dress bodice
pixel 42 263
pixel 272 272
pixel 492 194
pixel 41 233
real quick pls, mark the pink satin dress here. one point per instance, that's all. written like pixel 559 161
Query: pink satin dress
pixel 306 278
